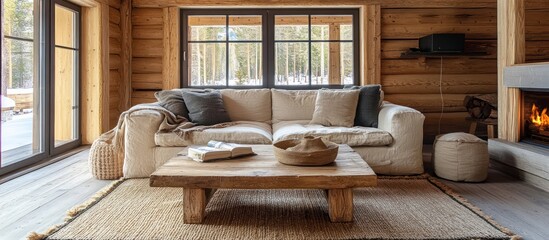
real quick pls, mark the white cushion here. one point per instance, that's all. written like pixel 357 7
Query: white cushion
pixel 248 105
pixel 291 105
pixel 461 157
pixel 355 136
pixel 244 132
pixel 335 108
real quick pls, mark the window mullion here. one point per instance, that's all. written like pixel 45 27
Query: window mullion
pixel 227 50
pixel 310 54
pixel 268 58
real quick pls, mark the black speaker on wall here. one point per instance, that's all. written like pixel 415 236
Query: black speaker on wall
pixel 443 43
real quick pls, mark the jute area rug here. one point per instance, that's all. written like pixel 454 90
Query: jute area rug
pixel 399 208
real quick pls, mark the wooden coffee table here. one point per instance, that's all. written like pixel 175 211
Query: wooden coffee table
pixel 262 171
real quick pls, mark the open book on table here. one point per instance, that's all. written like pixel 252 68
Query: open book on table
pixel 218 150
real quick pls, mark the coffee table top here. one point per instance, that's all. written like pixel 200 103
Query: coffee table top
pixel 263 171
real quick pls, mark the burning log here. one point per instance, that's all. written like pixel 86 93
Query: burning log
pixel 482 106
pixel 539 121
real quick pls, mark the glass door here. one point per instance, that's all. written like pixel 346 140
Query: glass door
pixel 40 80
pixel 65 58
pixel 22 98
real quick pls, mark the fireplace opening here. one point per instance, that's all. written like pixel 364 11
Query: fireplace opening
pixel 536 118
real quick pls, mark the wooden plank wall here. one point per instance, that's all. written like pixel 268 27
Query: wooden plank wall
pixel 537 33
pixel 147 53
pixel 415 82
pixel 114 62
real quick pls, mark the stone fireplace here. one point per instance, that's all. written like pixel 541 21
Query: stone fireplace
pixel 527 158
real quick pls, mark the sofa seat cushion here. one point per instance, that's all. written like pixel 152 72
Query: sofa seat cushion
pixel 354 136
pixel 244 132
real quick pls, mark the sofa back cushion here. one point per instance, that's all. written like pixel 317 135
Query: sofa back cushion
pixel 173 101
pixel 369 103
pixel 205 108
pixel 335 108
pixel 248 105
pixel 290 105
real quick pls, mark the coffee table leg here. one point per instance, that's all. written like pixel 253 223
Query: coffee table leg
pixel 340 204
pixel 194 205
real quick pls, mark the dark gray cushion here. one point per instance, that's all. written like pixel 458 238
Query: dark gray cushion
pixel 367 111
pixel 173 101
pixel 205 108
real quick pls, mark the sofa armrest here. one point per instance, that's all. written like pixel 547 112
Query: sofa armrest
pixel 401 121
pixel 406 127
pixel 140 128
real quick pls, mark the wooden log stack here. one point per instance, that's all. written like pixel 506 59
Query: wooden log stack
pixel 481 106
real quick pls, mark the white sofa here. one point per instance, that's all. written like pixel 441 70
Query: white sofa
pixel 265 116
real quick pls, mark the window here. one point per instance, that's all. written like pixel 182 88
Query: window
pixel 66 75
pixel 22 100
pixel 282 48
pixel 40 60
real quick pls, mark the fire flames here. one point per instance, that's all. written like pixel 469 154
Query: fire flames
pixel 540 120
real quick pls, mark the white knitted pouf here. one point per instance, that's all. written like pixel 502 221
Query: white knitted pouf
pixel 461 157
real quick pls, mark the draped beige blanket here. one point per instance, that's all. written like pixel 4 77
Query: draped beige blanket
pixel 171 123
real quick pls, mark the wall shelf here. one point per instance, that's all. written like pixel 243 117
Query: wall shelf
pixel 415 54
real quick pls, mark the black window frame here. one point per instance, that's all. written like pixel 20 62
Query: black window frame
pixel 45 58
pixel 50 69
pixel 268 43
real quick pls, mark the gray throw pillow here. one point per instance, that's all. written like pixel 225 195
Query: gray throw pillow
pixel 367 110
pixel 173 101
pixel 205 108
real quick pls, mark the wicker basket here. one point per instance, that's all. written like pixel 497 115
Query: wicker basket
pixel 103 158
pixel 106 157
pixel 104 161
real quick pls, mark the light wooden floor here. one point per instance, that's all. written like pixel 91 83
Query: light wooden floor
pixel 512 203
pixel 40 199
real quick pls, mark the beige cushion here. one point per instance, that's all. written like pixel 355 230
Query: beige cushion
pixel 248 105
pixel 163 154
pixel 244 132
pixel 460 157
pixel 355 136
pixel 291 105
pixel 335 108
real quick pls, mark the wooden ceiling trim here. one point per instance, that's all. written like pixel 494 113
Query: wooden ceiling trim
pixel 301 3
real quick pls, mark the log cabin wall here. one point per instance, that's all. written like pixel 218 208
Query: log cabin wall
pixel 415 82
pixel 147 54
pixel 410 82
pixel 114 62
pixel 537 32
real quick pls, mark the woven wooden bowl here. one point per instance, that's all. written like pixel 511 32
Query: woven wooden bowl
pixel 308 151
